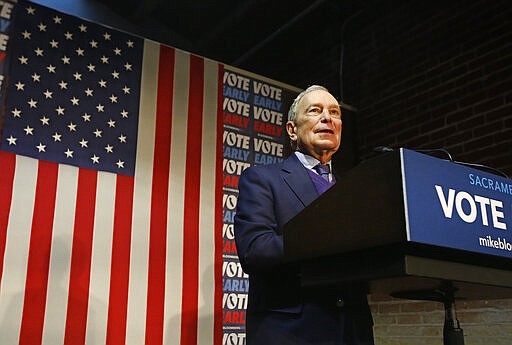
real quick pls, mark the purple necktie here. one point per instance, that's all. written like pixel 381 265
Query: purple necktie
pixel 323 170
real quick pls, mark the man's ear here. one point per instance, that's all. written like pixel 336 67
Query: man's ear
pixel 292 130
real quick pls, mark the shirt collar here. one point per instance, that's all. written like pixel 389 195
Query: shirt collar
pixel 308 161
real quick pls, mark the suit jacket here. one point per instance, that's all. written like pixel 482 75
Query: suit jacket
pixel 279 311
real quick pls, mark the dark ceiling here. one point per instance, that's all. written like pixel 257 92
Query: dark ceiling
pixel 293 41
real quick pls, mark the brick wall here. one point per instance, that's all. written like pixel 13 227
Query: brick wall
pixel 433 74
pixel 428 74
pixel 421 323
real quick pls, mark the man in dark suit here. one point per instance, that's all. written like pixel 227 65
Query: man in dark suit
pixel 279 311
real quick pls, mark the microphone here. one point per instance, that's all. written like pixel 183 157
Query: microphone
pixel 484 167
pixel 383 149
pixel 436 150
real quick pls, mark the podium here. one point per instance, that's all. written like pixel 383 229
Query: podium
pixel 409 225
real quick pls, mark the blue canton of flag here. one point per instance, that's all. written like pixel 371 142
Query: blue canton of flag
pixel 73 93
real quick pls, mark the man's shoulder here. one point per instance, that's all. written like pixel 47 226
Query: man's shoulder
pixel 272 168
pixel 263 170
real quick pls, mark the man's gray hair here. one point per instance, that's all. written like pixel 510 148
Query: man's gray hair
pixel 292 113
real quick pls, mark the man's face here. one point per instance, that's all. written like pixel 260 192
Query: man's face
pixel 317 126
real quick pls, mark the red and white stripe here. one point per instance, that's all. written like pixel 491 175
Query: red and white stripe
pixel 91 257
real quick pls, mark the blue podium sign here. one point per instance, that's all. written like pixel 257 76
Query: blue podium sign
pixel 451 205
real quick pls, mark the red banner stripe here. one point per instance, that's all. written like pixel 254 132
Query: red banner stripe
pixel 39 255
pixel 120 266
pixel 8 164
pixel 78 298
pixel 159 199
pixel 192 194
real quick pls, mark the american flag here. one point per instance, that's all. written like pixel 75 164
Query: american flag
pixel 110 188
pixel 74 95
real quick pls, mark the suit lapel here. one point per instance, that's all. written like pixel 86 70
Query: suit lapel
pixel 298 180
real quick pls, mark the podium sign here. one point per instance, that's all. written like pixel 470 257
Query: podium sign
pixel 451 205
pixel 403 221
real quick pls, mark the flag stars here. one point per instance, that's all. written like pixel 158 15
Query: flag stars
pixel 31 10
pixel 16 112
pixel 60 110
pixel 36 77
pixel 48 94
pixel 71 118
pixel 72 127
pixel 68 153
pixel 11 140
pixel 32 104
pixel 45 121
pixel 57 137
pixel 83 28
pixel 97 133
pixel 51 68
pixel 41 147
pixel 29 130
